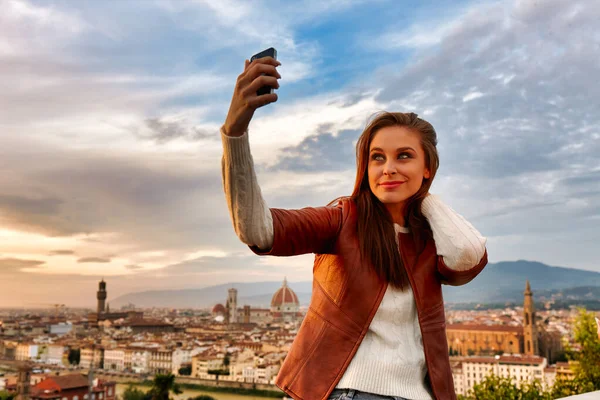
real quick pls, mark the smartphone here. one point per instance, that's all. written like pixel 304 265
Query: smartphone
pixel 270 52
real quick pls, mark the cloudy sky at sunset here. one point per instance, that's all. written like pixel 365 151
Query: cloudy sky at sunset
pixel 110 110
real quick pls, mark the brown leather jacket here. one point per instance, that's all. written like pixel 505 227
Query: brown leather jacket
pixel 346 295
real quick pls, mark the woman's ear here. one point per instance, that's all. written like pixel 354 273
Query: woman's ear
pixel 426 173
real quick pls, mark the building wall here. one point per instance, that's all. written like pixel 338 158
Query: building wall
pixel 475 370
pixel 114 359
pixel 483 342
pixel 161 362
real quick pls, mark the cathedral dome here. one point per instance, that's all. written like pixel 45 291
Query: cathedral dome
pixel 219 309
pixel 284 296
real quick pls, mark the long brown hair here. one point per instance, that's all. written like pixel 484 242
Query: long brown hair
pixel 375 228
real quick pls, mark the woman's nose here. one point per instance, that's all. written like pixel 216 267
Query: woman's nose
pixel 389 168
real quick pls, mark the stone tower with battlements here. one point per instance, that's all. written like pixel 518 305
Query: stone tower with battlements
pixel 101 296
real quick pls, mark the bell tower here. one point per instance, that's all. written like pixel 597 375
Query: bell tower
pixel 529 327
pixel 101 296
pixel 232 306
pixel 23 382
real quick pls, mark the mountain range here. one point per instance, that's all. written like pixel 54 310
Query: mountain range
pixel 497 283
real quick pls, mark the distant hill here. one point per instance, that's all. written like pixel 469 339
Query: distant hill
pixel 499 282
pixel 505 281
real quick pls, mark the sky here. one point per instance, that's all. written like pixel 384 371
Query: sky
pixel 110 113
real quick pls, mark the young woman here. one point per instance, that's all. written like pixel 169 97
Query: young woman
pixel 375 328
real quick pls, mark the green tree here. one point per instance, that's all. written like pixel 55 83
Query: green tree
pixel 133 393
pixel 570 387
pixel 187 370
pixel 162 385
pixel 74 356
pixel 587 366
pixel 202 397
pixel 494 387
pixel 226 361
pixel 4 395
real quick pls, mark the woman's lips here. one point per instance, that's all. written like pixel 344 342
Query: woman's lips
pixel 390 185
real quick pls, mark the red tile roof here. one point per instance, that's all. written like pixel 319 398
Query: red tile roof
pixel 487 328
pixel 63 382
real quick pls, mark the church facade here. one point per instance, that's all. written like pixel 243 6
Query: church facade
pixel 530 338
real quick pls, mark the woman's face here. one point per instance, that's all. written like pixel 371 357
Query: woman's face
pixel 396 166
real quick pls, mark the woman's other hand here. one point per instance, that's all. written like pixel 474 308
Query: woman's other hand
pixel 245 101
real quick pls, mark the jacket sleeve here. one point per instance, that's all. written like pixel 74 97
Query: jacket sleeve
pixel 456 278
pixel 307 230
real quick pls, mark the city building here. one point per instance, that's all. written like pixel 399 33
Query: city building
pixel 26 351
pixel 72 387
pixel 468 371
pixel 103 311
pixel 91 356
pixel 51 354
pixel 140 360
pixel 114 359
pixel 285 307
pixel 204 362
pixel 161 361
pixel 487 340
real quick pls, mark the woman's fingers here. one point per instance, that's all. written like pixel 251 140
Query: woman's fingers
pixel 256 74
pixel 266 60
pixel 259 101
pixel 257 70
pixel 259 82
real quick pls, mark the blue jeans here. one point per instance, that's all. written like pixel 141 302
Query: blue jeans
pixel 351 394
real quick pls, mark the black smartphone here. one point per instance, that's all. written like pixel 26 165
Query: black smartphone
pixel 270 52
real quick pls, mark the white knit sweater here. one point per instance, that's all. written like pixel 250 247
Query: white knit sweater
pixel 390 360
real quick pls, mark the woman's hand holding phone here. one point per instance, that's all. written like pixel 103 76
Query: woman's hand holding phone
pixel 258 73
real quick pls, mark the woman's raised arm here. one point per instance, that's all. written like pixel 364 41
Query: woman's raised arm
pixel 249 213
pixel 459 245
pixel 267 231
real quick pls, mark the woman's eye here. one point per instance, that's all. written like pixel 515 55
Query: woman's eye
pixel 403 156
pixel 377 157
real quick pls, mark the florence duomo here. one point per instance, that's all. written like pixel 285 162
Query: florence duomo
pixel 285 307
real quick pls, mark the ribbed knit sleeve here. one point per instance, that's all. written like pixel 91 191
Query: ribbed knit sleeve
pixel 456 240
pixel 252 220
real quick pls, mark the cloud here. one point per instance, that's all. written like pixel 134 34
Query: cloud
pixel 62 252
pixel 321 151
pixel 93 260
pixel 15 264
pixel 164 131
pixel 113 150
pixel 134 267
